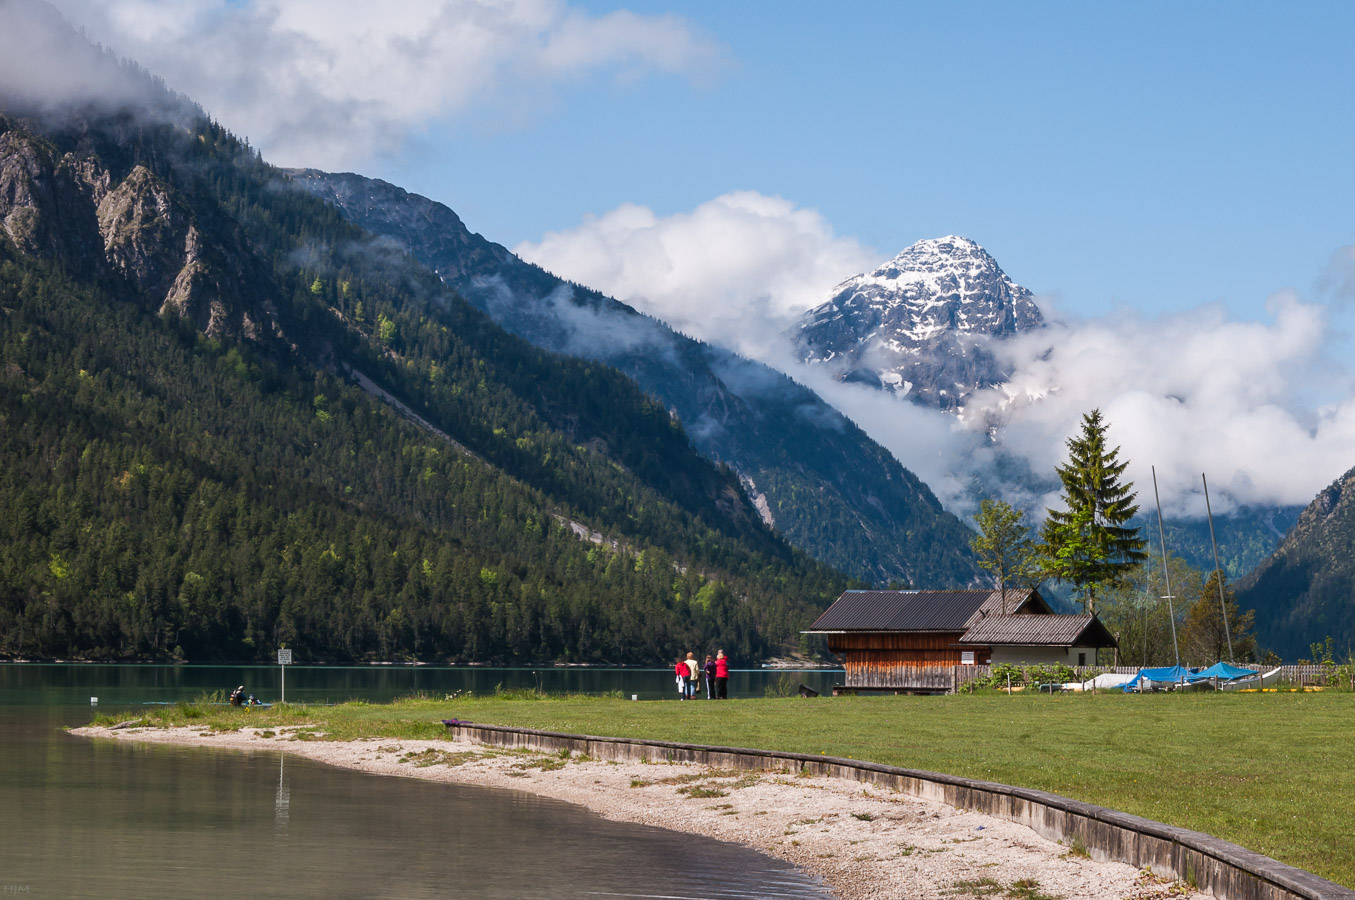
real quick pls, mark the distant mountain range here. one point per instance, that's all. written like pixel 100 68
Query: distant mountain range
pixel 813 473
pixel 919 326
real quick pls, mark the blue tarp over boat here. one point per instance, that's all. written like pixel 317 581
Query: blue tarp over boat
pixel 1164 675
pixel 1181 675
pixel 1224 672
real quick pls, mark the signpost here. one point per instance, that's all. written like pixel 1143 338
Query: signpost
pixel 284 660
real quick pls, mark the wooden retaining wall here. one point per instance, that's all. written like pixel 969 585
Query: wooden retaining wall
pixel 1225 870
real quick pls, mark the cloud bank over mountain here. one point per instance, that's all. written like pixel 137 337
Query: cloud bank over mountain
pixel 1262 407
pixel 737 270
pixel 1189 392
pixel 332 83
pixel 46 66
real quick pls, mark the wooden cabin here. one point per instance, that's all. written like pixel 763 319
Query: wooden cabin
pixel 913 640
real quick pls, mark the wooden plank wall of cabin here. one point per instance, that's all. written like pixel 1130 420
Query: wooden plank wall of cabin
pixel 887 671
pixel 902 658
pixel 901 678
pixel 919 661
pixel 928 640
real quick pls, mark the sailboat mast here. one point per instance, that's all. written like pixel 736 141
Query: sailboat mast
pixel 1218 572
pixel 1166 570
pixel 1147 587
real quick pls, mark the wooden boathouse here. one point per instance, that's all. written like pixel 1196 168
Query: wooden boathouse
pixel 912 641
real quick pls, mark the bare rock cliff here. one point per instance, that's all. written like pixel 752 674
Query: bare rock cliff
pixel 136 228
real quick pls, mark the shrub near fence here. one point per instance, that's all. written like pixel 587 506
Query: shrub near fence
pixel 996 675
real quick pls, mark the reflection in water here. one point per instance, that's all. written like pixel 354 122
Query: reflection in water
pixel 113 820
pixel 283 802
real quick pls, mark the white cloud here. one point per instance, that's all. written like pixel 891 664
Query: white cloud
pixel 46 65
pixel 736 270
pixel 1261 407
pixel 1192 392
pixel 331 83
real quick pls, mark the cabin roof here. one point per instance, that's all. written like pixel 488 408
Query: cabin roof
pixel 902 611
pixel 1039 631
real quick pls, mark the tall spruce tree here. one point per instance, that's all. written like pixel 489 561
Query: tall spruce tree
pixel 1089 544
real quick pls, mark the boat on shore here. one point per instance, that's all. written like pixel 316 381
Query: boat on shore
pixel 1221 676
pixel 1258 681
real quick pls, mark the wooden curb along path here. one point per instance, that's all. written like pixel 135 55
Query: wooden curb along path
pixel 1224 869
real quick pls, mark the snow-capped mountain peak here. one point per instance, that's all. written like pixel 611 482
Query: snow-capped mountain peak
pixel 919 324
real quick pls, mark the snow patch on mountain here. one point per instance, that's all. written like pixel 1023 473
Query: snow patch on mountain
pixel 921 324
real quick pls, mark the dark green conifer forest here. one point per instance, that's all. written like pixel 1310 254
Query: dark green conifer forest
pixel 174 492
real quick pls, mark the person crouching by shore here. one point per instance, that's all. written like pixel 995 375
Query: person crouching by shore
pixel 721 676
pixel 681 671
pixel 709 669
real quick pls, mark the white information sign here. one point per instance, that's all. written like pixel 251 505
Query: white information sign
pixel 284 659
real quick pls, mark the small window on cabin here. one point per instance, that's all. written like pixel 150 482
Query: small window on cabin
pixel 1082 659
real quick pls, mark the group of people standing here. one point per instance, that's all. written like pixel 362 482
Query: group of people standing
pixel 689 673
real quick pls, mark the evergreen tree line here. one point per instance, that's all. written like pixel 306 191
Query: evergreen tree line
pixel 170 496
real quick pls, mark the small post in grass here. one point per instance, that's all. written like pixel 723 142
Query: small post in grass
pixel 284 660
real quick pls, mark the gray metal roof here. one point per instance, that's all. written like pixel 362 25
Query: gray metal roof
pixel 919 610
pixel 1039 631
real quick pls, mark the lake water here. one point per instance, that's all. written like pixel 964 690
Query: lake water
pixel 86 818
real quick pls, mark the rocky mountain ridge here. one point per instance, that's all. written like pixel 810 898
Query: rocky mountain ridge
pixel 132 226
pixel 919 325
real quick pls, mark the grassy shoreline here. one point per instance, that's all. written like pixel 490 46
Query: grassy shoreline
pixel 1272 772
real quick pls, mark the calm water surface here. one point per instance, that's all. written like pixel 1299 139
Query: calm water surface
pixel 100 819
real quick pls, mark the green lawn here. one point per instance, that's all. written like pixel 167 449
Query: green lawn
pixel 1272 772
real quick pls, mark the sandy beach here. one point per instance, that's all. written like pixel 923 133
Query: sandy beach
pixel 864 841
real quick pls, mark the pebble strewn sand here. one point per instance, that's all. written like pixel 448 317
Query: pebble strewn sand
pixel 866 842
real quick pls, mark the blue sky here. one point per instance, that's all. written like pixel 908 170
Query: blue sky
pixel 1160 155
pixel 1174 181
pixel 1156 155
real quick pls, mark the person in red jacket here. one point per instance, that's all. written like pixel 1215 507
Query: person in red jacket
pixel 721 676
pixel 681 671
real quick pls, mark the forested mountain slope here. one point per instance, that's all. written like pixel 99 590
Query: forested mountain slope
pixel 1305 591
pixel 821 480
pixel 190 465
